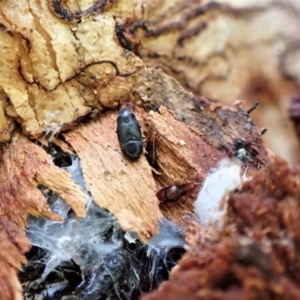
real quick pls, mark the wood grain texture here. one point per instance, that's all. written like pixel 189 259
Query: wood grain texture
pixel 24 165
pixel 117 184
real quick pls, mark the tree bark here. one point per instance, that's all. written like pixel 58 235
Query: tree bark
pixel 67 67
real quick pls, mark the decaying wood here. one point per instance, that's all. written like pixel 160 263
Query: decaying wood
pixel 24 165
pixel 183 156
pixel 51 69
pixel 118 184
pixel 115 182
pixel 220 125
pixel 55 71
pixel 228 50
pixel 255 255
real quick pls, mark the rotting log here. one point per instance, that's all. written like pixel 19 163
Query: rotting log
pixel 57 72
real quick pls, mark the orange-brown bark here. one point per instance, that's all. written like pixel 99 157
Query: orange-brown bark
pixel 219 124
pixel 115 182
pixel 24 165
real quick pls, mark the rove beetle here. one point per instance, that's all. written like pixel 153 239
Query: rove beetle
pixel 151 149
pixel 129 134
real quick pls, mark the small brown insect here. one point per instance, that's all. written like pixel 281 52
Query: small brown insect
pixel 151 149
pixel 174 192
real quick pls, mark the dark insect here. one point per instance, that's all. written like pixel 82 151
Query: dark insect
pixel 241 147
pixel 244 150
pixel 122 37
pixel 62 160
pixel 151 149
pixel 174 192
pixel 129 134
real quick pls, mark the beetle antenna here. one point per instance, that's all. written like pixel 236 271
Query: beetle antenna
pixel 250 110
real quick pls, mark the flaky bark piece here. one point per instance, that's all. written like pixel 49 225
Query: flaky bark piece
pixel 124 187
pixel 24 165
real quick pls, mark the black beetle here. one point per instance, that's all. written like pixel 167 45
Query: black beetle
pixel 129 134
